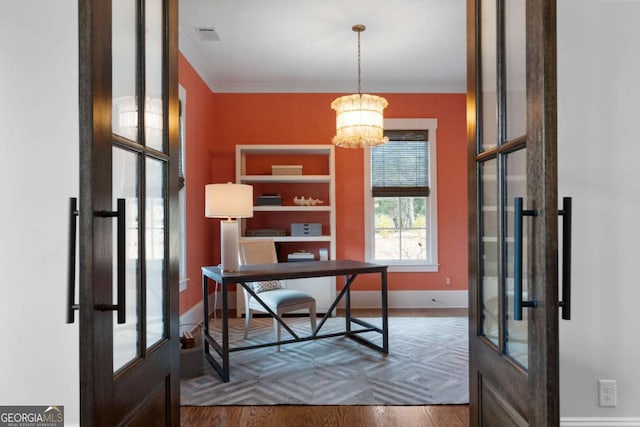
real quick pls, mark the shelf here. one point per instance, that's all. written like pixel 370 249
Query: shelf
pixel 291 208
pixel 291 239
pixel 254 164
pixel 286 178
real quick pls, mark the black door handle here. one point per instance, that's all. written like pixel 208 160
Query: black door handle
pixel 71 266
pixel 566 212
pixel 120 307
pixel 519 214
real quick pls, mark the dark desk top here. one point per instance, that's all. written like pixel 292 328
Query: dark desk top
pixel 291 270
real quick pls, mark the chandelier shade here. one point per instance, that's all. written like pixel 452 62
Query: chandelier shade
pixel 359 120
pixel 359 117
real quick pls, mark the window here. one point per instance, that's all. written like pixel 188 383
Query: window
pixel 401 199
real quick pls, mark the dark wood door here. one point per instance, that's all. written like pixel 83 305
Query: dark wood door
pixel 513 222
pixel 129 344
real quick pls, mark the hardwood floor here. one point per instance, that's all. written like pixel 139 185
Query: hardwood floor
pixel 334 416
pixel 325 416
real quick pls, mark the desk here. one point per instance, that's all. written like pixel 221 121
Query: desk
pixel 292 270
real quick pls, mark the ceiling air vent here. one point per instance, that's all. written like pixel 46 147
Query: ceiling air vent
pixel 208 34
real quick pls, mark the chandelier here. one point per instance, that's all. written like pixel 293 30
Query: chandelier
pixel 359 118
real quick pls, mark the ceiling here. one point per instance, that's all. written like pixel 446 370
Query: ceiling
pixel 409 46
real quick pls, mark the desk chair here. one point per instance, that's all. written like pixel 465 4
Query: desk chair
pixel 272 292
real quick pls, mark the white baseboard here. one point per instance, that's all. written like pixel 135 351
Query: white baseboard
pixel 359 299
pixel 195 315
pixel 411 299
pixel 599 422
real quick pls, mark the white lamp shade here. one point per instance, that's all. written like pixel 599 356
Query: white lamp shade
pixel 228 201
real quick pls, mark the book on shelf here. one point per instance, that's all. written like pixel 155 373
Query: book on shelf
pixel 300 256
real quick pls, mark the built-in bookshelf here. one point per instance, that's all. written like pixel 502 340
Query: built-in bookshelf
pixel 313 179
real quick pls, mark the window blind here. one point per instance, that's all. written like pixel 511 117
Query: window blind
pixel 400 168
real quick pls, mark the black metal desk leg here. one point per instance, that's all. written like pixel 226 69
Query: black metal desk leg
pixel 347 303
pixel 205 304
pixel 385 315
pixel 225 335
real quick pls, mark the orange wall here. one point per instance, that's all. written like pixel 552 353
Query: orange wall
pixel 308 119
pixel 222 120
pixel 198 155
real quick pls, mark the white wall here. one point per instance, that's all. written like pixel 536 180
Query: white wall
pixel 599 166
pixel 599 153
pixel 38 173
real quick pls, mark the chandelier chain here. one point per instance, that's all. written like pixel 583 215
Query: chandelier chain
pixel 359 78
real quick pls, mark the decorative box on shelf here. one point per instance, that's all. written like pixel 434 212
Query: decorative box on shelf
pixel 313 229
pixel 269 200
pixel 286 169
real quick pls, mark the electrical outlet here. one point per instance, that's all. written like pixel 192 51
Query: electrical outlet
pixel 607 393
pixel 447 281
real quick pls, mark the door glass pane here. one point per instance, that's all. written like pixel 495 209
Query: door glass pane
pixel 125 109
pixel 516 63
pixel 153 108
pixel 489 79
pixel 489 250
pixel 125 186
pixel 516 186
pixel 155 244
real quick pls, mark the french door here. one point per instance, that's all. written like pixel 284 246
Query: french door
pixel 513 226
pixel 129 350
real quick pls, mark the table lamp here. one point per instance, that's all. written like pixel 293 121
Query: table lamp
pixel 228 201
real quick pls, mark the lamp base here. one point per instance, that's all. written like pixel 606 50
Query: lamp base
pixel 229 245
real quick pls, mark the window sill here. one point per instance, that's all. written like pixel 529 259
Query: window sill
pixel 183 285
pixel 411 268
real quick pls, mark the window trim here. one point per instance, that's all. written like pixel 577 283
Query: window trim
pixel 431 125
pixel 182 193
